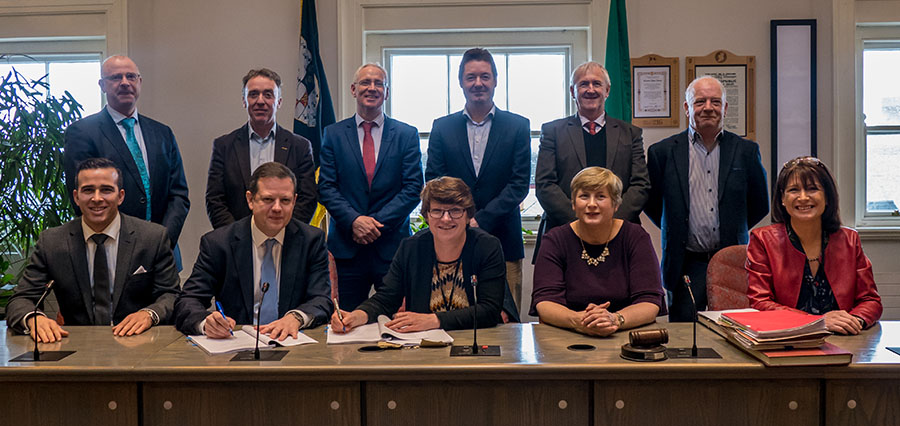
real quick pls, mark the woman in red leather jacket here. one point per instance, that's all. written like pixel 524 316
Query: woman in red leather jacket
pixel 806 260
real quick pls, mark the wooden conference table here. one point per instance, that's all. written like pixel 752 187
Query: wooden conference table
pixel 159 378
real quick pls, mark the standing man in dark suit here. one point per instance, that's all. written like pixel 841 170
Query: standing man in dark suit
pixel 707 189
pixel 108 268
pixel 490 150
pixel 589 138
pixel 142 148
pixel 370 177
pixel 266 247
pixel 236 155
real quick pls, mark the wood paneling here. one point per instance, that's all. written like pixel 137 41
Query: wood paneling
pixel 65 404
pixel 870 402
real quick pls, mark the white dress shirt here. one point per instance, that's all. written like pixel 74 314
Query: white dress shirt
pixel 138 135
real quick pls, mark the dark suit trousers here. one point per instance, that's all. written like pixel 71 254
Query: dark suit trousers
pixel 356 276
pixel 680 306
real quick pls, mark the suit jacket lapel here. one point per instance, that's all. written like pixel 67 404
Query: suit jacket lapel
pixel 282 146
pixel 123 261
pixel 459 136
pixel 154 151
pixel 726 157
pixel 241 146
pixel 114 137
pixel 576 138
pixel 352 144
pixel 498 128
pixel 683 166
pixel 612 142
pixel 242 249
pixel 78 256
pixel 290 261
pixel 387 139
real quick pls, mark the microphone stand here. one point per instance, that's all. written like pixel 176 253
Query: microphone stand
pixel 36 354
pixel 475 350
pixel 256 355
pixel 695 352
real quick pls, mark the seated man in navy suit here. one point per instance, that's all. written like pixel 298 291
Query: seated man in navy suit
pixel 267 247
pixel 108 268
pixel 369 180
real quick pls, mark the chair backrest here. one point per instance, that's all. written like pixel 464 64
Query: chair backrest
pixel 726 279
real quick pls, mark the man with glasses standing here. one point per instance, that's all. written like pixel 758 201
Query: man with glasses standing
pixel 370 177
pixel 144 149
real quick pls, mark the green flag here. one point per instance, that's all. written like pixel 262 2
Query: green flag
pixel 618 62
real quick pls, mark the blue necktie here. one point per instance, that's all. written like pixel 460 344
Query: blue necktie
pixel 268 311
pixel 135 150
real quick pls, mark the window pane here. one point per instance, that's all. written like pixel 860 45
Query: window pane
pixel 80 79
pixel 418 89
pixel 29 71
pixel 882 157
pixel 457 99
pixel 530 206
pixel 881 93
pixel 500 93
pixel 537 87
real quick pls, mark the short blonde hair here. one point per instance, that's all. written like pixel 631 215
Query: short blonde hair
pixel 594 178
pixel 583 69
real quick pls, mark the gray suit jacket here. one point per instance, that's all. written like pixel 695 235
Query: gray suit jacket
pixel 60 255
pixel 562 156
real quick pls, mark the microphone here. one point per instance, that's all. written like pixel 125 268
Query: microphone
pixel 687 283
pixel 256 354
pixel 263 289
pixel 37 353
pixel 475 350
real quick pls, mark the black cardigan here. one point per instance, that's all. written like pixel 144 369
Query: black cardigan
pixel 411 272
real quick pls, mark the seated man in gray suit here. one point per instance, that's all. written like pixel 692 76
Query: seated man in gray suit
pixel 108 268
pixel 266 247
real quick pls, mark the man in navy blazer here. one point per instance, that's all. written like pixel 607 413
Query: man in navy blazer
pixel 707 189
pixel 490 150
pixel 370 177
pixel 161 198
pixel 236 155
pixel 266 247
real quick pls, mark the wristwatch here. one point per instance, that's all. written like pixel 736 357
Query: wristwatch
pixel 621 319
pixel 297 317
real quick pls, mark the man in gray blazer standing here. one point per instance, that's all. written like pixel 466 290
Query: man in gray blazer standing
pixel 108 268
pixel 589 138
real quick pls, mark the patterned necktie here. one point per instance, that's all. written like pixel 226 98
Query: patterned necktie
pixel 368 151
pixel 101 281
pixel 268 310
pixel 135 149
pixel 591 127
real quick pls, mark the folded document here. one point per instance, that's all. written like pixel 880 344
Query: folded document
pixel 245 339
pixel 378 332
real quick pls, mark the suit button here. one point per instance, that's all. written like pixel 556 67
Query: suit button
pixel 143 200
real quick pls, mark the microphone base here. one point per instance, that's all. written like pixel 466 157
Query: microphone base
pixel 263 356
pixel 467 350
pixel 46 356
pixel 702 353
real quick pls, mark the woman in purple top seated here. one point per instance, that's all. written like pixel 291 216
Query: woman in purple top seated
pixel 597 274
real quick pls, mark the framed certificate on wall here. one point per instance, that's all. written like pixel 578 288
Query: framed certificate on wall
pixel 654 91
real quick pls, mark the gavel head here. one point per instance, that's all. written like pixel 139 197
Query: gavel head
pixel 648 338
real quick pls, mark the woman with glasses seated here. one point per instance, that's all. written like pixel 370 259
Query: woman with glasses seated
pixel 597 274
pixel 806 261
pixel 439 270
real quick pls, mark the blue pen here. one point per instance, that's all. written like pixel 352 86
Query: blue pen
pixel 222 312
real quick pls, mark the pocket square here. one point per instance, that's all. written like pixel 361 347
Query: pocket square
pixel 140 270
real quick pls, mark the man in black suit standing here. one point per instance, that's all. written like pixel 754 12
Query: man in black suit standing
pixel 707 189
pixel 236 155
pixel 589 138
pixel 142 148
pixel 108 268
pixel 266 247
pixel 490 150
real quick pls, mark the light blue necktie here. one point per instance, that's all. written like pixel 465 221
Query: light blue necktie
pixel 268 311
pixel 135 149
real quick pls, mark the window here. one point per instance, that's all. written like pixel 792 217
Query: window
pixel 78 74
pixel 532 82
pixel 881 108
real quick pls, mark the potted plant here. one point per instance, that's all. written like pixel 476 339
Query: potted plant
pixel 32 189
